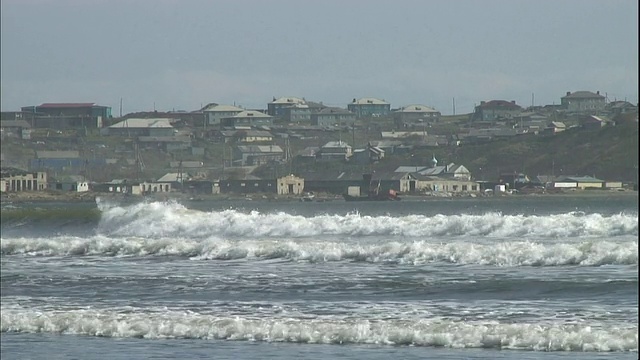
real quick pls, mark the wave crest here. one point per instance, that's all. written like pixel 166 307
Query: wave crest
pixel 503 253
pixel 171 219
pixel 189 325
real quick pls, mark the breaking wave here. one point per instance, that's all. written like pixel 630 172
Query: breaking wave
pixel 174 220
pixel 499 253
pixel 419 332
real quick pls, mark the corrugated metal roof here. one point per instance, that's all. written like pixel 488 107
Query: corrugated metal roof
pixel 335 144
pixel 136 123
pixel 369 101
pixel 260 148
pixel 288 100
pixel 15 123
pixel 66 105
pixel 409 169
pixel 251 114
pixel 222 108
pixel 66 154
pixel 417 109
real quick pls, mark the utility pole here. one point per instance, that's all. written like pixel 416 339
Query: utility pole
pixel 532 98
pixel 121 107
pixel 454 106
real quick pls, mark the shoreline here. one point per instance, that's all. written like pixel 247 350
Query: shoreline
pixel 44 197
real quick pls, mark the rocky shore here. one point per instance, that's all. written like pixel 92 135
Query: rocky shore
pixel 54 196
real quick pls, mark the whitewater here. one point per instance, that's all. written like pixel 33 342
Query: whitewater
pixel 483 279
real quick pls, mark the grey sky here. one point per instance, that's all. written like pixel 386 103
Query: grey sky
pixel 182 54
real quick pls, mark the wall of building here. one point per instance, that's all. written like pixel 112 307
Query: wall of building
pixel 290 185
pixel 26 181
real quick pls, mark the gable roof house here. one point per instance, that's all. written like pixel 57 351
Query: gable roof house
pixel 276 107
pixel 247 118
pixel 583 101
pixel 621 107
pixel 333 116
pixel 593 122
pixel 142 127
pixel 555 127
pixel 335 150
pixel 415 114
pixel 252 155
pixel 15 128
pixel 213 113
pixel 495 110
pixel 369 107
pixel 367 155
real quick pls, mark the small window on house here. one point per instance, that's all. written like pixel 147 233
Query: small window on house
pixel 474 187
pixel 464 187
pixel 455 187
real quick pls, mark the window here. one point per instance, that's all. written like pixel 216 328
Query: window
pixel 455 187
pixel 474 187
pixel 464 187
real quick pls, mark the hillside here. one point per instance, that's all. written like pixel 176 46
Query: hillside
pixel 610 153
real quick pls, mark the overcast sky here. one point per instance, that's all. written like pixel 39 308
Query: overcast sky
pixel 184 54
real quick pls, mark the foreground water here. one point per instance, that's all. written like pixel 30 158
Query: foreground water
pixel 508 278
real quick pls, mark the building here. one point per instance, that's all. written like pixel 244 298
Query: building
pixel 583 101
pixel 253 155
pixel 412 115
pixel 213 113
pixel 16 128
pixel 577 182
pixel 68 115
pixel 142 127
pixel 369 107
pixel 16 180
pixel 290 185
pixel 247 118
pixel 333 116
pixel 276 108
pixel 621 107
pixel 60 160
pixel 496 110
pixel 367 155
pixel 167 143
pixel 247 136
pixel 296 113
pixel 72 183
pixel 555 127
pixel 593 122
pixel 435 185
pixel 335 150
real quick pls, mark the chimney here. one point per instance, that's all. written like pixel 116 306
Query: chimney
pixel 481 103
pixel 598 92
pixel 513 102
pixel 568 93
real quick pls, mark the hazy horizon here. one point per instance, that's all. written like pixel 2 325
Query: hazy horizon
pixel 181 55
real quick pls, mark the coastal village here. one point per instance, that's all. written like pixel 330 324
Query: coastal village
pixel 292 148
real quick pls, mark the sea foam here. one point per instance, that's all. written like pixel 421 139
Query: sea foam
pixel 174 220
pixel 591 252
pixel 418 332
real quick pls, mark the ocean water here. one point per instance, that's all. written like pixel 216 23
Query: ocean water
pixel 490 278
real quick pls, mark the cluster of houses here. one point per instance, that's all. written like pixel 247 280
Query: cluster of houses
pixel 258 137
pixel 450 179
